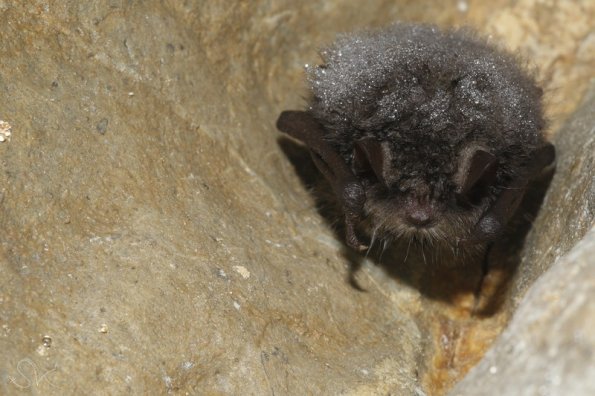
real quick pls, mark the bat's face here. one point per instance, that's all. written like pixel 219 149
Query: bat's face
pixel 423 188
pixel 441 206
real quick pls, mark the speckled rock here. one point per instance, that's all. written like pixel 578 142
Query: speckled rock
pixel 155 237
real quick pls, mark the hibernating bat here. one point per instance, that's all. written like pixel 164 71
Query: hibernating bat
pixel 422 132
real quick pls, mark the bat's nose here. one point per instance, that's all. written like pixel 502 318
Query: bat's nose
pixel 420 217
pixel 419 212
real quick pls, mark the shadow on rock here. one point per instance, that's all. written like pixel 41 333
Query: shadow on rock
pixel 449 276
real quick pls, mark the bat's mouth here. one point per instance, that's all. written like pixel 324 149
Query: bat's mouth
pixel 425 233
pixel 420 222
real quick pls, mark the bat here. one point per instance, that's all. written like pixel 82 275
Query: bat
pixel 421 132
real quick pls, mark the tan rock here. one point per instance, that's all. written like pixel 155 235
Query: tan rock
pixel 156 233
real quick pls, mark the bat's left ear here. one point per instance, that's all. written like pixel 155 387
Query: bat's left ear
pixel 542 158
pixel 372 157
pixel 477 169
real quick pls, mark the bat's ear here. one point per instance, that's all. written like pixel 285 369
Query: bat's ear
pixel 542 158
pixel 371 157
pixel 477 170
pixel 298 124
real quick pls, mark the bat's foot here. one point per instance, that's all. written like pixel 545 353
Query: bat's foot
pixel 351 237
pixel 353 241
pixel 358 247
pixel 488 229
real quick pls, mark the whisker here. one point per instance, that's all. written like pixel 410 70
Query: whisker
pixel 385 243
pixel 408 246
pixel 372 241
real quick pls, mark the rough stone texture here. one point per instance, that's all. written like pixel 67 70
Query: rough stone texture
pixel 569 207
pixel 558 37
pixel 155 238
pixel 548 347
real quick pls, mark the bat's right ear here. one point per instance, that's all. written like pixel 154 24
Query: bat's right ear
pixel 372 157
pixel 298 124
pixel 542 158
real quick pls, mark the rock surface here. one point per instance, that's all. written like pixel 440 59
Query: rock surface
pixel 155 238
pixel 548 346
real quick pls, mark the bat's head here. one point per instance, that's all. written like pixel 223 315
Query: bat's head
pixel 436 123
pixel 428 193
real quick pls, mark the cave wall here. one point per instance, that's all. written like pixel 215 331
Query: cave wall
pixel 155 237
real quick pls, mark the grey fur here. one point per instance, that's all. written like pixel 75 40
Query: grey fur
pixel 429 95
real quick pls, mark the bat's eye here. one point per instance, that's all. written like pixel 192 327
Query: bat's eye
pixel 477 173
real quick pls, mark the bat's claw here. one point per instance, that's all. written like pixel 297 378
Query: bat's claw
pixel 353 240
pixel 351 237
pixel 359 248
